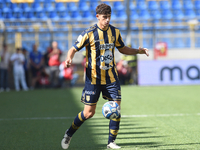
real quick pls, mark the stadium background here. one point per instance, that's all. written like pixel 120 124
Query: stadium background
pixel 141 22
pixel 153 117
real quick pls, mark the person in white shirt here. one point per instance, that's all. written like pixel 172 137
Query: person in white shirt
pixel 4 68
pixel 18 70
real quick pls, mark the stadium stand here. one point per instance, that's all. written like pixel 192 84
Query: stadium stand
pixel 72 6
pixel 60 6
pixel 165 5
pixel 118 6
pixel 153 5
pixel 83 6
pixel 167 18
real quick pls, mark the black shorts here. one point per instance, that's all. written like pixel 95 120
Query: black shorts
pixel 91 93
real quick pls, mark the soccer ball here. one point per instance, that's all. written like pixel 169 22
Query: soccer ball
pixel 111 110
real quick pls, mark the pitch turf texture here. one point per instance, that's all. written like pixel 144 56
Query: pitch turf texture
pixel 152 118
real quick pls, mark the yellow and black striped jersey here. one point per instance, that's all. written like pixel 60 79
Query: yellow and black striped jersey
pixel 100 47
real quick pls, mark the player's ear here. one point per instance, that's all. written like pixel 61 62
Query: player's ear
pixel 97 15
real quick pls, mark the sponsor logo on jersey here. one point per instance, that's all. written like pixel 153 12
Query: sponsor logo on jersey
pixel 106 46
pixel 107 57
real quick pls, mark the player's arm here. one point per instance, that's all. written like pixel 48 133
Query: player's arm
pixel 81 41
pixel 70 56
pixel 132 51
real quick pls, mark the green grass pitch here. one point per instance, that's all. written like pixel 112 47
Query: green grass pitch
pixel 165 117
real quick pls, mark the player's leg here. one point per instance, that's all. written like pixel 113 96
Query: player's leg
pixel 90 97
pixel 113 92
pixel 113 131
pixel 87 113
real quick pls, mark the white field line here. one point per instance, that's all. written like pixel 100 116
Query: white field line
pixel 123 116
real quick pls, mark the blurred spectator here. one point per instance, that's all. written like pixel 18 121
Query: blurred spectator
pixel 26 66
pixel 36 64
pixel 46 58
pixel 132 63
pixel 124 71
pixel 18 70
pixel 4 68
pixel 54 62
pixel 43 78
pixel 67 74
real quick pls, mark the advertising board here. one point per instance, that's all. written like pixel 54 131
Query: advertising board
pixel 169 72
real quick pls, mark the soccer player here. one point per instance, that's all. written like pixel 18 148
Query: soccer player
pixel 100 41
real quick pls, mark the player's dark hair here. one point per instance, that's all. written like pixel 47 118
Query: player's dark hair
pixel 103 9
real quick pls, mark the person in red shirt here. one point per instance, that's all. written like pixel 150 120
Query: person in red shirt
pixel 67 74
pixel 124 71
pixel 54 62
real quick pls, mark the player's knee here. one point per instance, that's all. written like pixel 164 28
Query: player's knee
pixel 89 114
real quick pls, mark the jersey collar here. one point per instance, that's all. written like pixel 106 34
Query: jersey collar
pixel 102 29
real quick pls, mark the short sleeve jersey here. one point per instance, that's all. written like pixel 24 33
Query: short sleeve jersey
pixel 100 48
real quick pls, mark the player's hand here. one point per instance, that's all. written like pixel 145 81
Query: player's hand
pixel 68 63
pixel 143 51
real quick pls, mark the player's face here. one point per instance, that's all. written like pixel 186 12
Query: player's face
pixel 104 20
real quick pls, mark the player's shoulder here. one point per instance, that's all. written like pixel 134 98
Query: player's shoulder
pixel 113 27
pixel 90 29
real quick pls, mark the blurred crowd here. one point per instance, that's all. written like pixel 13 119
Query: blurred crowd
pixel 127 70
pixel 34 70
